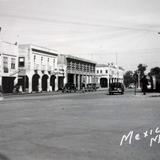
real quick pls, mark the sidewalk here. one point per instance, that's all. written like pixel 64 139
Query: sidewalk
pixel 30 94
pixel 148 94
pixel 7 95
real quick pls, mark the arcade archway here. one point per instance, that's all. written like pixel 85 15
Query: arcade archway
pixel 35 82
pixel 103 82
pixel 52 82
pixel 44 82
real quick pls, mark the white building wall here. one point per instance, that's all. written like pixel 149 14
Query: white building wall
pixel 10 51
pixel 43 63
pixel 113 74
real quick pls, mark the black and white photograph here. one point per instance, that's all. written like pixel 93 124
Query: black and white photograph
pixel 79 79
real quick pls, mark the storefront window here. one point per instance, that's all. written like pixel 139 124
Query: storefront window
pixel 13 61
pixel 21 61
pixel 5 64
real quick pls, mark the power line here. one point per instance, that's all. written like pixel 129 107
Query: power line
pixel 78 23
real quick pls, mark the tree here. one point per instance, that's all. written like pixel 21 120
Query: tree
pixel 141 69
pixel 155 71
pixel 128 78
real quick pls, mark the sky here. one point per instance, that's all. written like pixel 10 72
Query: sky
pixel 120 31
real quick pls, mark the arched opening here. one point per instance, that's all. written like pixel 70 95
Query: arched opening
pixel 35 82
pixel 52 82
pixel 103 82
pixel 23 81
pixel 44 82
pixel 60 82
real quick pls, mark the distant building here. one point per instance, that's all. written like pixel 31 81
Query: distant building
pixel 108 73
pixel 76 70
pixel 8 66
pixel 38 67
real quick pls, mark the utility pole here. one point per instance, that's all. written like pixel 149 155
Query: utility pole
pixel 117 67
pixel 116 58
pixel 1 89
pixel 108 76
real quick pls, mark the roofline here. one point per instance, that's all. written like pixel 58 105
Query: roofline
pixel 78 58
pixel 113 66
pixel 40 48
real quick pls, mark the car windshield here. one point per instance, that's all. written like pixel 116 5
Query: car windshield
pixel 117 85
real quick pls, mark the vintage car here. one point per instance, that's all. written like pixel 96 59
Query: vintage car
pixel 69 87
pixel 91 87
pixel 116 87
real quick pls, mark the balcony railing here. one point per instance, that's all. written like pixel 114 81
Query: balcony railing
pixel 36 66
pixel 43 67
pixel 49 68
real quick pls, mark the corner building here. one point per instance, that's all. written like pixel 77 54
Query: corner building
pixel 37 67
pixel 109 73
pixel 8 66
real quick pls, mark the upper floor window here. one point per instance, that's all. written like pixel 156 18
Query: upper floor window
pixel 53 61
pixel 97 71
pixel 48 59
pixel 21 61
pixel 5 64
pixel 100 71
pixel 41 59
pixel 34 58
pixel 13 63
pixel 106 71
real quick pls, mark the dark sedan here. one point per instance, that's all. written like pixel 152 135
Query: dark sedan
pixel 69 87
pixel 116 87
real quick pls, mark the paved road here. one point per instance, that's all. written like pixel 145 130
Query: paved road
pixel 87 126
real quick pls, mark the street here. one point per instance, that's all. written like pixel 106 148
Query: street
pixel 80 126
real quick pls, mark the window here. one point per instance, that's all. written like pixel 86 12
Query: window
pixel 21 61
pixel 34 58
pixel 41 59
pixel 54 62
pixel 5 64
pixel 100 71
pixel 97 71
pixel 48 59
pixel 106 71
pixel 13 63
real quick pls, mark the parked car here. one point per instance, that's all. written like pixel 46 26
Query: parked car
pixel 69 87
pixel 91 87
pixel 131 86
pixel 116 87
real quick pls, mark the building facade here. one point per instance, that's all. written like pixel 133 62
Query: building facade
pixel 76 70
pixel 37 69
pixel 8 66
pixel 109 73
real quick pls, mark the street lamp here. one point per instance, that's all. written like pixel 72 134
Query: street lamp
pixel 138 80
pixel 108 74
pixel 135 76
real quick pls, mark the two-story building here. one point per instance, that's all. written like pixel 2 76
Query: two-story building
pixel 8 66
pixel 76 70
pixel 38 66
pixel 109 73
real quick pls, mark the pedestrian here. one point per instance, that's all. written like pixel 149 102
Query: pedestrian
pixel 83 87
pixel 144 83
pixel 1 95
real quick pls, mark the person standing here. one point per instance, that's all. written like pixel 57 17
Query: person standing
pixel 1 95
pixel 144 83
pixel 83 87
